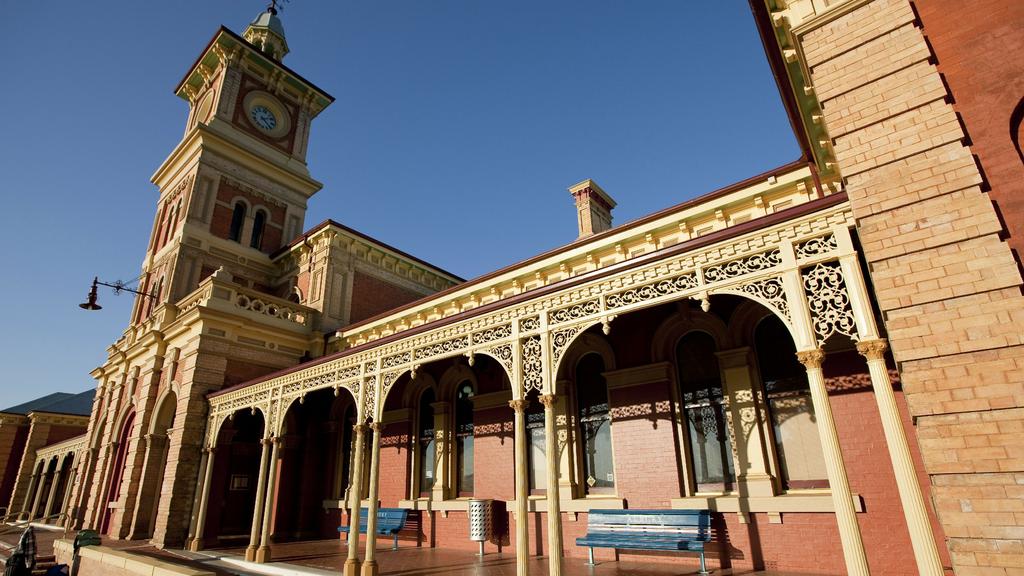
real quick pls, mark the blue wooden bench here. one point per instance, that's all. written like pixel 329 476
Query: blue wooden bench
pixel 390 522
pixel 684 530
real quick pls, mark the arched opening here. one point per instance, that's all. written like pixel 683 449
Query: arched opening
pixel 114 487
pixel 315 449
pixel 259 222
pixel 464 439
pixel 159 447
pixel 63 480
pixel 234 479
pixel 704 413
pixel 426 443
pixel 595 423
pixel 790 411
pixel 237 222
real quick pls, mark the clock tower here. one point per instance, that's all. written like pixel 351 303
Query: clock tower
pixel 234 190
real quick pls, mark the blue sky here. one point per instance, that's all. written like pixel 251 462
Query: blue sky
pixel 457 128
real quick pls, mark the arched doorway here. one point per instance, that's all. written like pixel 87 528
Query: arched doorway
pixel 114 487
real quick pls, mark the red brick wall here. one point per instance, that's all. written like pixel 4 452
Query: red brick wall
pixel 220 224
pixel 371 296
pixel 978 46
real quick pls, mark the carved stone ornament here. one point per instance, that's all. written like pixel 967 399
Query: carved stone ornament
pixel 811 358
pixel 873 349
pixel 518 405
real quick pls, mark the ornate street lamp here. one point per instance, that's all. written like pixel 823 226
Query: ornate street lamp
pixel 118 286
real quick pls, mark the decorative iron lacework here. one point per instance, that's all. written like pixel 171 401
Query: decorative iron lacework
pixel 561 339
pixel 369 367
pixel 652 291
pixel 574 312
pixel 829 301
pixel 497 333
pixel 533 365
pixel 388 380
pixel 745 265
pixel 529 324
pixel 504 355
pixel 349 372
pixel 395 360
pixel 771 291
pixel 445 347
pixel 370 398
pixel 817 246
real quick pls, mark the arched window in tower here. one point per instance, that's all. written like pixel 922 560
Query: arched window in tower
pixel 595 425
pixel 464 439
pixel 426 443
pixel 237 221
pixel 797 443
pixel 710 438
pixel 259 221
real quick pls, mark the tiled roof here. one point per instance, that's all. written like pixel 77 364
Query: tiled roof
pixel 58 403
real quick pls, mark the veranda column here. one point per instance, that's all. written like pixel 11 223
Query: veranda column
pixel 370 562
pixel 873 348
pixel 48 509
pixel 925 552
pixel 355 493
pixel 257 510
pixel 263 552
pixel 554 505
pixel 846 515
pixel 33 487
pixel 39 493
pixel 522 531
pixel 204 497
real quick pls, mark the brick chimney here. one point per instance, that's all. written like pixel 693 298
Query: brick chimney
pixel 593 208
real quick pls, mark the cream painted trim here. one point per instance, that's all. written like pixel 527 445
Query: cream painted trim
pixel 639 375
pixel 793 502
pixel 618 246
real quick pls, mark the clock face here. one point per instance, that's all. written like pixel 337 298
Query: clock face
pixel 263 118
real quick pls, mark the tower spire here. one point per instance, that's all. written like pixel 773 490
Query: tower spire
pixel 267 33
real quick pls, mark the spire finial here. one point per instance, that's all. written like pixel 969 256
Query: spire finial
pixel 267 33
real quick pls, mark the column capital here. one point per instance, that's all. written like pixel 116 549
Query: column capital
pixel 548 400
pixel 376 426
pixel 518 405
pixel 873 349
pixel 811 358
pixel 361 427
pixel 209 449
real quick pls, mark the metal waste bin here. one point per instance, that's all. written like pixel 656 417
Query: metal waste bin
pixel 480 521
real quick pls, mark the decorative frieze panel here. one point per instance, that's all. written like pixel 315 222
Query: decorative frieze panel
pixel 370 398
pixel 395 360
pixel 829 302
pixel 529 324
pixel 743 266
pixel 444 347
pixel 816 247
pixel 574 312
pixel 499 333
pixel 652 291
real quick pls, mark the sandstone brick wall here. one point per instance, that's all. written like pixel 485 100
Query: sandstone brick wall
pixel 947 283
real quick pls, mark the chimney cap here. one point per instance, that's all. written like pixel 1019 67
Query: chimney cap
pixel 591 187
